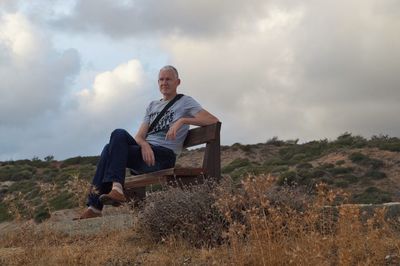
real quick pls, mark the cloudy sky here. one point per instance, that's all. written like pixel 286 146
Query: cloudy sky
pixel 73 70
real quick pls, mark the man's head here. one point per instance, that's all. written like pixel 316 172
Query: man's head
pixel 168 82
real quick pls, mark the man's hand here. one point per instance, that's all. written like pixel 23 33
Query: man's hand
pixel 147 151
pixel 171 134
pixel 148 155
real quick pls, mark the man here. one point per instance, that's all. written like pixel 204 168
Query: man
pixel 150 150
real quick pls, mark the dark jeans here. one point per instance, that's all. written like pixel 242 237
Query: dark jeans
pixel 123 152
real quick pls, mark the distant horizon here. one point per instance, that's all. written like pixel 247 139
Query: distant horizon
pixel 196 147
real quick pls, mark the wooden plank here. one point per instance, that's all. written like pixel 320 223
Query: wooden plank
pixel 168 171
pixel 202 135
pixel 145 181
pixel 189 171
pixel 148 179
pixel 161 176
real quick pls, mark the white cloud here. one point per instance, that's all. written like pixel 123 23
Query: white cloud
pixel 34 76
pixel 116 99
pixel 116 95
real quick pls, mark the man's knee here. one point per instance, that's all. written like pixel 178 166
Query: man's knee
pixel 105 149
pixel 118 133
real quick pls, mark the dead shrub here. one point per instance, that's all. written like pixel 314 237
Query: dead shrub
pixel 187 214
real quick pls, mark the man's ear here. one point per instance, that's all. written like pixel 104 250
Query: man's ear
pixel 179 81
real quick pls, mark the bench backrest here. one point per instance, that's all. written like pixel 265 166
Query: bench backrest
pixel 210 135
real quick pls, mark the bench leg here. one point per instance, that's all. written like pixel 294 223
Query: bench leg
pixel 137 194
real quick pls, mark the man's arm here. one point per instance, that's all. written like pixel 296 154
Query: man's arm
pixel 202 118
pixel 147 151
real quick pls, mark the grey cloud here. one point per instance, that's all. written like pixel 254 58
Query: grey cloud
pixel 348 53
pixel 35 76
pixel 8 5
pixel 30 90
pixel 34 79
pixel 335 69
pixel 167 17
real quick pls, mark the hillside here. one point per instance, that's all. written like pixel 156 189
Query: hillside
pixel 367 169
pixel 281 206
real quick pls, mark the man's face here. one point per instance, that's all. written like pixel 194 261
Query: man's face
pixel 168 82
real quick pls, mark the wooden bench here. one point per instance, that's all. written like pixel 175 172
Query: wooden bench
pixel 135 186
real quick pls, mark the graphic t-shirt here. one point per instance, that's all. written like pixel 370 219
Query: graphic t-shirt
pixel 184 107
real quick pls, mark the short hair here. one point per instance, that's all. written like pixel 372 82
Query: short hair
pixel 169 67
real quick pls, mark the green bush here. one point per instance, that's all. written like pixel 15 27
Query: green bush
pixel 39 164
pixel 372 195
pixel 22 175
pixel 50 171
pixel 63 200
pixel 238 173
pixel 287 178
pixel 326 180
pixel 279 168
pixel 364 160
pixel 347 140
pixel 350 178
pixel 384 142
pixel 340 162
pixel 4 213
pixel 38 200
pixel 33 193
pixel 49 158
pixel 375 174
pixel 237 163
pixel 223 148
pixel 327 166
pixel 340 170
pixel 247 148
pixel 41 213
pixel 304 152
pixel 236 146
pixel 23 186
pixel 304 166
pixel 6 172
pixel 298 158
pixel 16 172
pixel 375 163
pixel 275 141
pixel 318 173
pixel 87 171
pixel 391 146
pixel 305 174
pixel 358 157
pixel 275 161
pixel 80 160
pixel 342 183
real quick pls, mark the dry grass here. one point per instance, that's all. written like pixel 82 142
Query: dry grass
pixel 282 235
pixel 258 231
